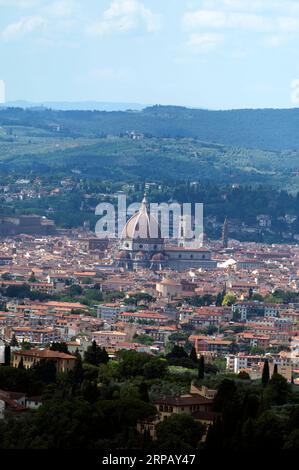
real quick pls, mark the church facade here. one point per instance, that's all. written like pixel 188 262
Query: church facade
pixel 142 247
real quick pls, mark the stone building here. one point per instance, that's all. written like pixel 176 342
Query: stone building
pixel 142 247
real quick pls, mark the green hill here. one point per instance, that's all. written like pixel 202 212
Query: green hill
pixel 170 143
pixel 267 129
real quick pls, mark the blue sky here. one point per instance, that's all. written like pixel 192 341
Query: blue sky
pixel 213 54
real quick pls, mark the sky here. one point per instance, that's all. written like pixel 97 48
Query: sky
pixel 215 54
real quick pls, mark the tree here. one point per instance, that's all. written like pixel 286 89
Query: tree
pixel 277 391
pixel 139 298
pixel 236 315
pixel 143 392
pixel 233 348
pixel 193 355
pixel 19 291
pixel 32 277
pixel 176 337
pixel 104 356
pixel 95 355
pixel 292 442
pixel 269 431
pixel 179 431
pixel 74 290
pixel 209 330
pixel 14 341
pixel 211 368
pixel 250 405
pixel 132 363
pixel 177 352
pixel 144 339
pixel 275 370
pixel 250 293
pixel 214 435
pixel 78 372
pixel 6 277
pixel 219 299
pixel 45 370
pixel 200 301
pixel 155 368
pixel 265 374
pixel 21 364
pixel 243 375
pixel 225 393
pixel 60 347
pixel 7 355
pixel 201 368
pixel 229 299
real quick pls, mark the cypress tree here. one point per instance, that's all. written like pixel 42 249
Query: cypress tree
pixel 14 341
pixel 21 364
pixel 92 354
pixel 201 367
pixel 214 436
pixel 193 355
pixel 7 355
pixel 78 373
pixel 104 356
pixel 265 374
pixel 219 299
pixel 275 370
pixel 143 391
pixel 96 355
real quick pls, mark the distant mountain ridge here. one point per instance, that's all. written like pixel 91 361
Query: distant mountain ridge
pixel 266 129
pixel 76 105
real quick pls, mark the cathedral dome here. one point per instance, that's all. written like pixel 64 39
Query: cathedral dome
pixel 142 225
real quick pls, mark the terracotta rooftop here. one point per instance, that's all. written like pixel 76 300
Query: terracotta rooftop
pixel 44 354
pixel 183 400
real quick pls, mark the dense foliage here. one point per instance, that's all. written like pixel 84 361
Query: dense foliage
pixel 98 406
pixel 269 128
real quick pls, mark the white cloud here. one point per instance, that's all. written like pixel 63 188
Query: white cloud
pixel 244 16
pixel 272 6
pixel 276 22
pixel 202 43
pixel 19 3
pixel 26 25
pixel 123 16
pixel 225 20
pixel 50 19
pixel 59 9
